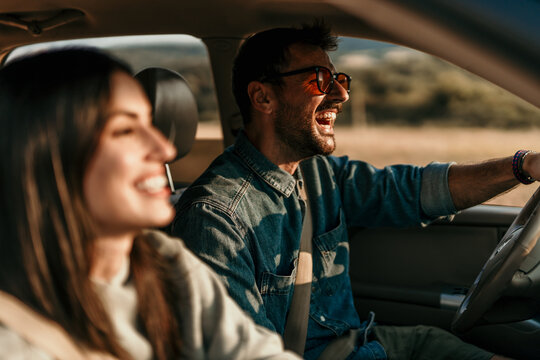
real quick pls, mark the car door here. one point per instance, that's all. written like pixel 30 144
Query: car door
pixel 420 275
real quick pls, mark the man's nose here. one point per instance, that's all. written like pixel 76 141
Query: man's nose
pixel 338 94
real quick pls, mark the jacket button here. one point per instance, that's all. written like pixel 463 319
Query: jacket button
pixel 322 318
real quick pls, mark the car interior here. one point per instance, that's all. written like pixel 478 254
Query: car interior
pixel 477 273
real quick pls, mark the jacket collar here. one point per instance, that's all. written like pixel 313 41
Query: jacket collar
pixel 269 172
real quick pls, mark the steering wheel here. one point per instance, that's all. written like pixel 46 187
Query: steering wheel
pixel 512 265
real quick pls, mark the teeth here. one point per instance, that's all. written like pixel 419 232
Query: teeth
pixel 152 184
pixel 327 116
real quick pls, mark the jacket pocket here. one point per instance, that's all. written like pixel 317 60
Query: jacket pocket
pixel 334 267
pixel 276 292
pixel 272 284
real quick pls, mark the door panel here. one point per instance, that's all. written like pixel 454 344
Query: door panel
pixel 423 273
pixel 420 275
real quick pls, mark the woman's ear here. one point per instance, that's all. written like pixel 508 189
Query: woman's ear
pixel 261 96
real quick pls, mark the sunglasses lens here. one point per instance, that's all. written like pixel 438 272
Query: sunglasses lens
pixel 325 80
pixel 343 80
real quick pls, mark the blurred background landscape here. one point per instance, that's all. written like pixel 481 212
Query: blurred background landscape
pixel 391 85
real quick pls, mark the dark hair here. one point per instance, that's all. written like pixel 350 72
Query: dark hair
pixel 52 112
pixel 266 53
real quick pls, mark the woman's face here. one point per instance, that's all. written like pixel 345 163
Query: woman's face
pixel 125 185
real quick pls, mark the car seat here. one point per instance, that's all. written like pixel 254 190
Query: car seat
pixel 174 111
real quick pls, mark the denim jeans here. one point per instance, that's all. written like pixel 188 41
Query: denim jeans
pixel 426 343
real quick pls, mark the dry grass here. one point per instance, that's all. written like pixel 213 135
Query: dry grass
pixel 404 145
pixel 396 145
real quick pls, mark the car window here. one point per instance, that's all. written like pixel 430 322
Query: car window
pixel 184 54
pixel 409 107
pixel 405 106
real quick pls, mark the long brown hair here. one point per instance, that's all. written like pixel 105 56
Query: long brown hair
pixel 52 113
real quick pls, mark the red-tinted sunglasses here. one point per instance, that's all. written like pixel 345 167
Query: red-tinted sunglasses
pixel 325 78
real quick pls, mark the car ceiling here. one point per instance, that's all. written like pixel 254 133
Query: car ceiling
pixel 496 39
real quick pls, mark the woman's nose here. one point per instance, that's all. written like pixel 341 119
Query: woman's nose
pixel 163 149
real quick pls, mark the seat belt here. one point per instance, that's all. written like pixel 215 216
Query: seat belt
pixel 294 336
pixel 42 332
pixel 295 332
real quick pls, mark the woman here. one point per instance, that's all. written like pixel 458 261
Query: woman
pixel 82 179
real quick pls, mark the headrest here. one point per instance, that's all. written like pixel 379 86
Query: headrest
pixel 174 106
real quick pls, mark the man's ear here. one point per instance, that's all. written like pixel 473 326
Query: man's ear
pixel 261 96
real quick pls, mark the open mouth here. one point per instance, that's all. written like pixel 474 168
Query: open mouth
pixel 326 119
pixel 153 185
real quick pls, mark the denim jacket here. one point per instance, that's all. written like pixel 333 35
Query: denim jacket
pixel 244 216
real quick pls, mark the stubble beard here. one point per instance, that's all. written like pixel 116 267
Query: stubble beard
pixel 299 138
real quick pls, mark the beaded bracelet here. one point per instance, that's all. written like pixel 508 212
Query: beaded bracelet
pixel 517 167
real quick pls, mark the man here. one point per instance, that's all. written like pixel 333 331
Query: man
pixel 244 215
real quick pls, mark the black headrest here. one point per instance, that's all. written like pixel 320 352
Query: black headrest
pixel 174 106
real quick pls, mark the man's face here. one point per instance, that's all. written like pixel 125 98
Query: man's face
pixel 304 120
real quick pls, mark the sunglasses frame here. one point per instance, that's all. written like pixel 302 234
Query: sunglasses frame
pixel 317 69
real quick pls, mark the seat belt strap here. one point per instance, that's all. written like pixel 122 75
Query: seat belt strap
pixel 295 332
pixel 42 332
